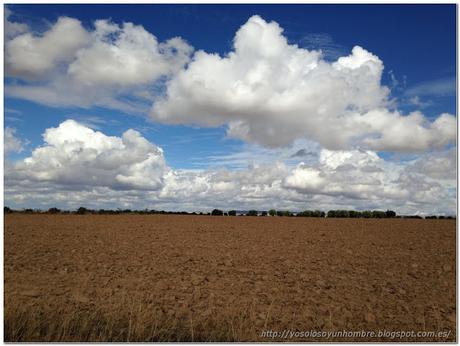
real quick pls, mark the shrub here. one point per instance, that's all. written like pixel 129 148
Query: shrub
pixel 283 213
pixel 252 213
pixel 264 213
pixel 54 210
pixel 232 213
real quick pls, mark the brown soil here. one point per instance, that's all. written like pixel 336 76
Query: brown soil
pixel 203 278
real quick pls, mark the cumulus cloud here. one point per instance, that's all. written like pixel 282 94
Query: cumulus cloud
pixel 265 90
pixel 30 56
pixel 271 92
pixel 79 166
pixel 126 55
pixel 353 174
pixel 440 166
pixel 77 155
pixel 12 144
pixel 71 65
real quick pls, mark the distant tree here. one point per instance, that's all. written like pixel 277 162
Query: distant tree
pixel 82 211
pixel 378 214
pixel 252 213
pixel 54 210
pixel 7 210
pixel 367 214
pixel 305 213
pixel 217 212
pixel 264 213
pixel 354 214
pixel 331 213
pixel 343 213
pixel 431 217
pixel 272 212
pixel 28 211
pixel 318 213
pixel 390 213
pixel 225 214
pixel 232 213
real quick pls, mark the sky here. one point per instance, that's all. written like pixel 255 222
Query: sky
pixel 195 107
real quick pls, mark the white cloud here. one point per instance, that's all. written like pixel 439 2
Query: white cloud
pixel 126 55
pixel 437 87
pixel 437 166
pixel 77 155
pixel 107 66
pixel 77 166
pixel 30 56
pixel 270 92
pixel 12 144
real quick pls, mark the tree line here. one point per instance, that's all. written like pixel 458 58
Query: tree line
pixel 366 214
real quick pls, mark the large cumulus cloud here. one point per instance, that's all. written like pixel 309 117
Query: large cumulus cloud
pixel 271 92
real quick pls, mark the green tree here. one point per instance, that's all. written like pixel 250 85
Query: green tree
pixel 378 214
pixel 217 212
pixel 232 213
pixel 390 213
pixel 82 211
pixel 272 212
pixel 331 213
pixel 367 214
pixel 252 213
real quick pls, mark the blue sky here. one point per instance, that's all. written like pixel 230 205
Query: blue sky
pixel 414 43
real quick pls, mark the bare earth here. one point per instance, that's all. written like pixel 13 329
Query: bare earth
pixel 204 278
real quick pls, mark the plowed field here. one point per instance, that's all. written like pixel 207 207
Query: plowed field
pixel 204 278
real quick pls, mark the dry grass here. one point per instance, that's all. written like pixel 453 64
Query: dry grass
pixel 131 319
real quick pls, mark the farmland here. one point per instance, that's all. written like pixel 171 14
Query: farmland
pixel 205 278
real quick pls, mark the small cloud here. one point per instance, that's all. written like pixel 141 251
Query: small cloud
pixel 12 111
pixel 12 144
pixel 416 101
pixel 437 87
